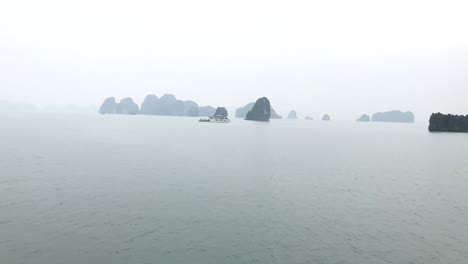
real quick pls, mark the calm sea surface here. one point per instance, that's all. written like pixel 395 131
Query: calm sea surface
pixel 80 189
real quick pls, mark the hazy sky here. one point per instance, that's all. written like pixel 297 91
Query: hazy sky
pixel 339 57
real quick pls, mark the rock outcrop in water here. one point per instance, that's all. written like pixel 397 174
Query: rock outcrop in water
pixel 275 115
pixel 292 115
pixel 127 107
pixel 191 109
pixel 394 116
pixel 308 118
pixel 364 118
pixel 242 112
pixel 448 123
pixel 261 111
pixel 149 105
pixel 207 111
pixel 326 117
pixel 221 111
pixel 167 105
pixel 109 106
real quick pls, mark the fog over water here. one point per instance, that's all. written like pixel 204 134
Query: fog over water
pixel 337 57
pixel 80 187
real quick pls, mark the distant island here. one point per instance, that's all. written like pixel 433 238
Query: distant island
pixel 448 123
pixel 292 115
pixel 308 118
pixel 394 116
pixel 221 111
pixel 167 105
pixel 364 118
pixel 241 112
pixel 261 111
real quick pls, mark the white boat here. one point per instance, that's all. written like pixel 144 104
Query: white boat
pixel 216 119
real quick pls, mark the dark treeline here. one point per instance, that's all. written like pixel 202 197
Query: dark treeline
pixel 449 123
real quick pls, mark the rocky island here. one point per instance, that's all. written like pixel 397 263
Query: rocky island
pixel 109 106
pixel 127 107
pixel 206 111
pixel 326 117
pixel 275 115
pixel 448 123
pixel 167 105
pixel 242 112
pixel 363 118
pixel 221 111
pixel 148 107
pixel 292 115
pixel 394 116
pixel 261 111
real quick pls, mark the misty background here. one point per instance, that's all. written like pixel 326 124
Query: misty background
pixel 344 58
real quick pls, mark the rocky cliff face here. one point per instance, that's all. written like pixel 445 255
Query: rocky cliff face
pixel 207 111
pixel 448 123
pixel 193 112
pixel 167 105
pixel 149 105
pixel 292 115
pixel 261 111
pixel 242 112
pixel 395 116
pixel 109 106
pixel 275 115
pixel 363 118
pixel 191 108
pixel 326 117
pixel 221 111
pixel 127 107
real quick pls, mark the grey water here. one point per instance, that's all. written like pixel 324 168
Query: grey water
pixel 82 188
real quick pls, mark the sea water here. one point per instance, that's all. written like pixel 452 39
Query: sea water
pixel 89 188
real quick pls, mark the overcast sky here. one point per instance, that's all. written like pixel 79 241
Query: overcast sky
pixel 339 57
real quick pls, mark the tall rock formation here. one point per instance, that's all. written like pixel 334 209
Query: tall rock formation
pixel 191 108
pixel 109 106
pixel 261 111
pixel 167 105
pixel 364 118
pixel 207 111
pixel 292 115
pixel 193 112
pixel 127 107
pixel 221 111
pixel 149 105
pixel 275 115
pixel 241 112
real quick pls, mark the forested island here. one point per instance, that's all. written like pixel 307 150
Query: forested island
pixel 241 112
pixel 394 116
pixel 261 111
pixel 167 105
pixel 439 122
